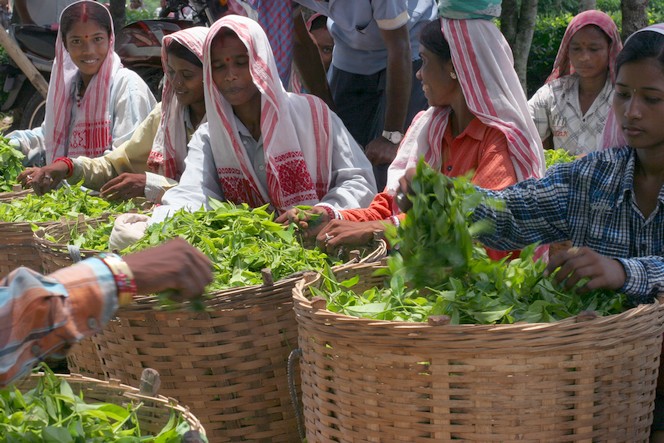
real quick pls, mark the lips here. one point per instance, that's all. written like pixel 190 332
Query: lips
pixel 632 131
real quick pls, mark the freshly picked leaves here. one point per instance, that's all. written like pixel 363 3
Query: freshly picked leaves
pixel 555 156
pixel 12 165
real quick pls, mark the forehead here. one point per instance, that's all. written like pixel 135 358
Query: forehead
pixel 227 44
pixel 589 34
pixel 89 27
pixel 646 73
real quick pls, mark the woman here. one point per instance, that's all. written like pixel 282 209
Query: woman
pixel 93 103
pixel 263 145
pixel 462 131
pixel 153 159
pixel 571 109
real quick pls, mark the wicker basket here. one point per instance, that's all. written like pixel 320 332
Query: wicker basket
pixel 17 246
pixel 152 415
pixel 16 192
pixel 228 363
pixel 573 380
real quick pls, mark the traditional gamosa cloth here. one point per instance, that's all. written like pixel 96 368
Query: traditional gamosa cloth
pixel 555 107
pixel 481 57
pixel 114 103
pixel 613 134
pixel 304 156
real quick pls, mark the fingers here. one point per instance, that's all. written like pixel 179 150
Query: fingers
pixel 578 264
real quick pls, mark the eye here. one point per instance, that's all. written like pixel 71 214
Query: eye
pixel 653 100
pixel 622 95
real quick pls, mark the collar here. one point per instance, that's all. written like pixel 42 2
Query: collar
pixel 475 130
pixel 627 181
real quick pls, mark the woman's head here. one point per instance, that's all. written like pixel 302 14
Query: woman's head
pixel 317 26
pixel 589 47
pixel 86 30
pixel 638 101
pixel 185 72
pixel 231 72
pixel 437 74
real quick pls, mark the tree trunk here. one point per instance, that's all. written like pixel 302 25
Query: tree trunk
pixel 585 5
pixel 117 8
pixel 518 30
pixel 634 16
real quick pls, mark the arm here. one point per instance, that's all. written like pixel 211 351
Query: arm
pixel 352 183
pixel 31 143
pixel 539 106
pixel 199 180
pixel 131 103
pixel 308 62
pixel 44 315
pixel 397 93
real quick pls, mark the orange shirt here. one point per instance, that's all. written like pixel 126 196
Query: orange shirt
pixel 478 148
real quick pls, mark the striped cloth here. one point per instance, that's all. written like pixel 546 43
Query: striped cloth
pixel 170 143
pixel 483 63
pixel 91 134
pixel 298 151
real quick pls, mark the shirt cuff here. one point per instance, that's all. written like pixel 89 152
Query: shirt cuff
pixel 393 23
pixel 636 280
pixel 154 187
pixel 77 173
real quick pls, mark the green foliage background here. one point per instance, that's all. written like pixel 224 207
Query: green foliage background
pixel 550 28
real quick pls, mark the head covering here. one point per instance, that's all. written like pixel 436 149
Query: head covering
pixel 466 9
pixel 613 136
pixel 484 66
pixel 562 65
pixel 91 132
pixel 170 143
pixel 295 131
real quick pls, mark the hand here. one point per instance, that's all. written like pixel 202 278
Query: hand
pixel 402 199
pixel 381 151
pixel 340 233
pixel 124 187
pixel 174 265
pixel 310 221
pixel 583 263
pixel 45 179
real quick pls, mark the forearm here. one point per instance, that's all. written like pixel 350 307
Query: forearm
pixel 94 172
pixel 398 84
pixel 156 185
pixel 644 278
pixel 379 209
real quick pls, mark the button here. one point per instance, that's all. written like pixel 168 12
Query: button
pixel 449 168
pixel 92 323
pixel 261 168
pixel 36 350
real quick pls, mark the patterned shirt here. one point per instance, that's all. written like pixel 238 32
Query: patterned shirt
pixel 43 316
pixel 556 110
pixel 591 202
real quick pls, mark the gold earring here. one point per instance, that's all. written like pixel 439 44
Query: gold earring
pixel 453 75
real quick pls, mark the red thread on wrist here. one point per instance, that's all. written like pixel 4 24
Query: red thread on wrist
pixel 330 212
pixel 68 162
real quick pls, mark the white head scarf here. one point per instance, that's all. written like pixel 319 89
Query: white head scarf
pixel 295 131
pixel 170 144
pixel 484 66
pixel 613 136
pixel 91 133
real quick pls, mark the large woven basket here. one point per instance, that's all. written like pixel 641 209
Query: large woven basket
pixel 16 192
pixel 229 363
pixel 572 380
pixel 17 246
pixel 152 415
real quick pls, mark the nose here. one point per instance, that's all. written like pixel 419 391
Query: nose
pixel 418 74
pixel 231 74
pixel 632 108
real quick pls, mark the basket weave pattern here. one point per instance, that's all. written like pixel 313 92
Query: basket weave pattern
pixel 17 246
pixel 152 415
pixel 572 380
pixel 227 364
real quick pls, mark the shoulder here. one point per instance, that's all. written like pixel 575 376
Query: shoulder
pixel 128 81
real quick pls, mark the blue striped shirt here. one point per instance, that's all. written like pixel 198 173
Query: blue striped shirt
pixel 592 203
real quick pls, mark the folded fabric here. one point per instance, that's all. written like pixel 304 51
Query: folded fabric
pixel 469 9
pixel 127 230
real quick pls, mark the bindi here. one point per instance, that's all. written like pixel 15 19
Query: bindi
pixel 227 59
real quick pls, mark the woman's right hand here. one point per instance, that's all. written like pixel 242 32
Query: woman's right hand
pixel 45 179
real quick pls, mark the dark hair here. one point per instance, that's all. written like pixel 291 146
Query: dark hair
pixel 178 50
pixel 432 38
pixel 83 12
pixel 640 46
pixel 319 22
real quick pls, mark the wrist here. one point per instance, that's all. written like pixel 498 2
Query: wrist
pixel 393 137
pixel 123 276
pixel 65 161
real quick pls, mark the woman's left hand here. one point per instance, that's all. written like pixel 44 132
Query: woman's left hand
pixel 577 264
pixel 124 187
pixel 310 221
pixel 340 233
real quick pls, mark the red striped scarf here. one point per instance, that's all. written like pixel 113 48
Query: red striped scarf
pixel 295 131
pixel 170 144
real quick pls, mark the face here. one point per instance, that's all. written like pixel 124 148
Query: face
pixel 325 44
pixel 589 52
pixel 438 86
pixel 87 44
pixel 187 80
pixel 638 103
pixel 230 70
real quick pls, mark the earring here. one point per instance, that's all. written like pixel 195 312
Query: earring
pixel 453 75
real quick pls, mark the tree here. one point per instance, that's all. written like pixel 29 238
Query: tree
pixel 517 23
pixel 117 8
pixel 585 5
pixel 634 16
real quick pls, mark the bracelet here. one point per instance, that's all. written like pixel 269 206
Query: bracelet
pixel 124 278
pixel 395 220
pixel 331 212
pixel 68 162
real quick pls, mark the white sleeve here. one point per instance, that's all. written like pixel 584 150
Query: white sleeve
pixel 199 180
pixel 132 102
pixel 352 184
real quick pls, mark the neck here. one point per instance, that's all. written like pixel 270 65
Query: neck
pixel 461 117
pixel 250 115
pixel 650 163
pixel 196 113
pixel 592 85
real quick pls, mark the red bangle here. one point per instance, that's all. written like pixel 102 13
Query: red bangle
pixel 330 212
pixel 68 162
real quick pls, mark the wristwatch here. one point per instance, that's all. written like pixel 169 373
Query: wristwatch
pixel 393 137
